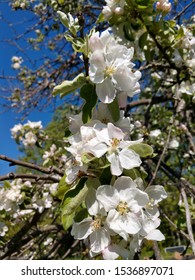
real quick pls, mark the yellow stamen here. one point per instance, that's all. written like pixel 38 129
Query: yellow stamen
pixel 122 207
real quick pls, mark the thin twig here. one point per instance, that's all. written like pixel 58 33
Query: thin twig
pixel 188 220
pixel 162 155
pixel 183 11
pixel 174 225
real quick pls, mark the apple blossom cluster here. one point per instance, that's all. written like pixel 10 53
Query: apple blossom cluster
pixel 11 198
pixel 20 199
pixel 121 213
pixel 16 62
pixel 111 69
pixel 113 7
pixel 163 6
pixel 120 217
pixel 28 133
pixel 99 140
pixel 53 155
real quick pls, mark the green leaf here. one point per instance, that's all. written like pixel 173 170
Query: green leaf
pixel 67 221
pixel 114 110
pixel 143 150
pixel 72 201
pixel 128 32
pixel 82 214
pixel 135 173
pixel 63 18
pixel 105 176
pixel 88 93
pixel 67 87
pixel 101 18
pixel 7 185
pixel 143 40
pixel 63 187
pixel 93 182
pixel 78 44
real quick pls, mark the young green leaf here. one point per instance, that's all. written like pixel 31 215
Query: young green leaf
pixel 114 110
pixel 88 93
pixel 67 87
pixel 143 150
pixel 72 201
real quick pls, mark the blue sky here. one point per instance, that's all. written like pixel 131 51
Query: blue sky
pixel 8 119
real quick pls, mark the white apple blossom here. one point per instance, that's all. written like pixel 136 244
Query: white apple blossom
pixel 34 125
pixel 16 62
pixel 155 133
pixel 173 144
pixel 74 169
pixel 3 229
pixel 41 203
pixel 123 202
pixel 17 130
pixel 103 115
pixel 156 194
pixel 30 139
pixel 111 67
pixel 111 140
pixel 21 213
pixel 113 7
pixel 75 122
pixel 93 227
pixel 11 198
pixel 149 231
pixel 187 88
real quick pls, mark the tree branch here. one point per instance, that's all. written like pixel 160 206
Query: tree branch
pixel 36 177
pixel 31 165
pixel 183 11
pixel 141 102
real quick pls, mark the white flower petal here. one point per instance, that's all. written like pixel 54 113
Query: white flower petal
pixel 114 222
pixel 130 223
pixel 115 167
pixel 157 193
pixel 99 240
pixel 137 200
pixel 155 235
pixel 124 182
pixel 96 148
pixel 91 202
pixel 107 196
pixel 115 132
pixel 114 251
pixel 124 78
pixel 106 91
pixel 83 229
pixel 129 159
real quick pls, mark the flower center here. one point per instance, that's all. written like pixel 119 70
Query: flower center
pixel 109 71
pixel 114 142
pixel 150 204
pixel 122 207
pixel 97 223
